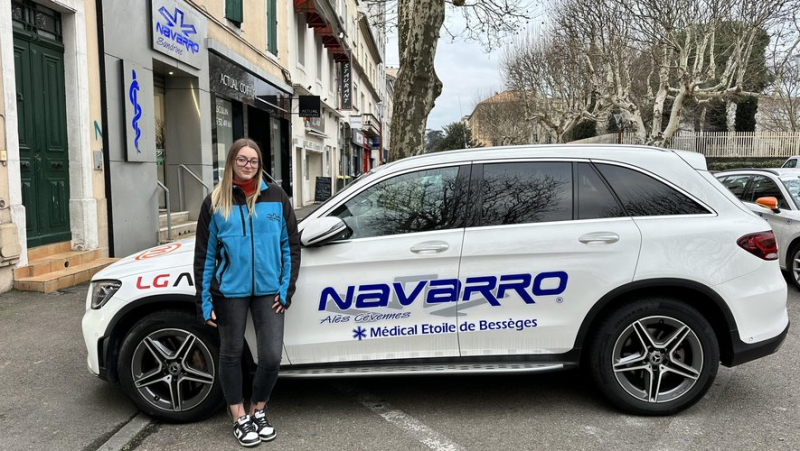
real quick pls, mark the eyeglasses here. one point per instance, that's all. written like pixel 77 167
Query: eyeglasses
pixel 242 162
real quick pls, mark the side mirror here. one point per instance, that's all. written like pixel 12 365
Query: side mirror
pixel 769 202
pixel 318 231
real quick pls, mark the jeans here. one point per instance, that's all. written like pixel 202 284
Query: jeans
pixel 231 320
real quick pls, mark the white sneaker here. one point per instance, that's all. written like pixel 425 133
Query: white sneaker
pixel 245 432
pixel 264 429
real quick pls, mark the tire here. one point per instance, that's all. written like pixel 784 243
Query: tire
pixel 679 355
pixel 168 366
pixel 793 265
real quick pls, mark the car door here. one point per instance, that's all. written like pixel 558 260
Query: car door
pixel 377 293
pixel 546 240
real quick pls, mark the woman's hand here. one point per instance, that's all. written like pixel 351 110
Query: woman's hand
pixel 277 306
pixel 212 322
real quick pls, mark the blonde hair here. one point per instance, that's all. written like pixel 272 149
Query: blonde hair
pixel 222 196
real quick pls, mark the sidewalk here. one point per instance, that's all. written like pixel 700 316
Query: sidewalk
pixel 302 212
pixel 50 400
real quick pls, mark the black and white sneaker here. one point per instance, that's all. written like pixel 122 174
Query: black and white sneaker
pixel 245 432
pixel 262 426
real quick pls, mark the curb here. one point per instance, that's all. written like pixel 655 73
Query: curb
pixel 128 432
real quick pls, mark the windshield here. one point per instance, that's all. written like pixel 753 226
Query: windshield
pixel 792 185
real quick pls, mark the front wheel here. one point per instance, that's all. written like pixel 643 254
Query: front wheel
pixel 655 356
pixel 168 367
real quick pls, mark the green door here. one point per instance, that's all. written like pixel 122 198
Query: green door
pixel 44 156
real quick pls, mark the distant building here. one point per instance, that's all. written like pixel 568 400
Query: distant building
pixel 500 120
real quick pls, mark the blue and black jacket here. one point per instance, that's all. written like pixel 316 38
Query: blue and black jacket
pixel 246 255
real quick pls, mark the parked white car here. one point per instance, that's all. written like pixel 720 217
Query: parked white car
pixel 773 194
pixel 791 162
pixel 632 262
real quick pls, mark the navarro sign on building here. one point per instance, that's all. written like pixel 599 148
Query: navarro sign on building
pixel 178 31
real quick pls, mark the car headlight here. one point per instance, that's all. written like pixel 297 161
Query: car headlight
pixel 103 291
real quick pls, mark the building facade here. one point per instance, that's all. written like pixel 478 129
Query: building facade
pixel 183 80
pixel 51 173
pixel 319 51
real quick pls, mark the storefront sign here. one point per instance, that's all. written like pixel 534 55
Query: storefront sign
pixel 311 145
pixel 358 137
pixel 347 86
pixel 231 80
pixel 356 122
pixel 137 85
pixel 178 31
pixel 309 106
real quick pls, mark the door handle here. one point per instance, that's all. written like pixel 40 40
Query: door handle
pixel 430 247
pixel 599 238
pixel 25 164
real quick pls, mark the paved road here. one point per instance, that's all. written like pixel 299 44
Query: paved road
pixel 50 402
pixel 751 407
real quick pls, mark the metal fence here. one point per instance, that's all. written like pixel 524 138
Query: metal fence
pixel 721 144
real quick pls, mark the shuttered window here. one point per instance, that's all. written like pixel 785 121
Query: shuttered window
pixel 233 11
pixel 272 27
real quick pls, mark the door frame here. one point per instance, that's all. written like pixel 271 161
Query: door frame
pixel 82 107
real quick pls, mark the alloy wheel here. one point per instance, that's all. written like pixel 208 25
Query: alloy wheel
pixel 796 266
pixel 173 370
pixel 657 359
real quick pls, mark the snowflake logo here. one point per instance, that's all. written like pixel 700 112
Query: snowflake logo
pixel 360 333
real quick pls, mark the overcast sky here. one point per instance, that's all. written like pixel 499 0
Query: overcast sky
pixel 466 71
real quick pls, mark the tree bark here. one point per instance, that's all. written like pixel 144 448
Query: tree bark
pixel 417 86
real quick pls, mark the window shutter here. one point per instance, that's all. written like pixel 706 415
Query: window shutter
pixel 233 11
pixel 272 27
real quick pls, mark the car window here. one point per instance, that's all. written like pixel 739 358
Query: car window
pixel 736 184
pixel 518 193
pixel 764 187
pixel 594 198
pixel 642 195
pixel 415 202
pixel 793 186
pixel 790 163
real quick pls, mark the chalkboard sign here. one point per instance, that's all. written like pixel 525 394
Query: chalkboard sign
pixel 323 189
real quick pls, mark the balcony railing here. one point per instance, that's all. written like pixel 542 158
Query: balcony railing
pixel 370 124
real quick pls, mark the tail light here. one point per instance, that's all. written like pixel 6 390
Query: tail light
pixel 761 244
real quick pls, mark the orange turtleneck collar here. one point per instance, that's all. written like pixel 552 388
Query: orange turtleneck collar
pixel 249 187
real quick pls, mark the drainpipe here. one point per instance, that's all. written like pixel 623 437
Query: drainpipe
pixel 101 50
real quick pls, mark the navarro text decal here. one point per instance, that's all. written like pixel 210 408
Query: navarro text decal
pixel 491 288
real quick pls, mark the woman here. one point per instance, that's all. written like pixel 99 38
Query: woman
pixel 246 258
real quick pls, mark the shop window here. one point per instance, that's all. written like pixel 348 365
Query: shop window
pixel 233 11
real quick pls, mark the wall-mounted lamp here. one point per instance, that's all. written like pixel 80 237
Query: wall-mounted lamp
pixel 171 73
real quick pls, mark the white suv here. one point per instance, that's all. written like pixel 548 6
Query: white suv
pixel 632 262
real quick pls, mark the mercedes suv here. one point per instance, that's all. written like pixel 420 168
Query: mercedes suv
pixel 633 263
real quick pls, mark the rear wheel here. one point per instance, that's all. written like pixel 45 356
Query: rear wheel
pixel 793 265
pixel 168 367
pixel 656 356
